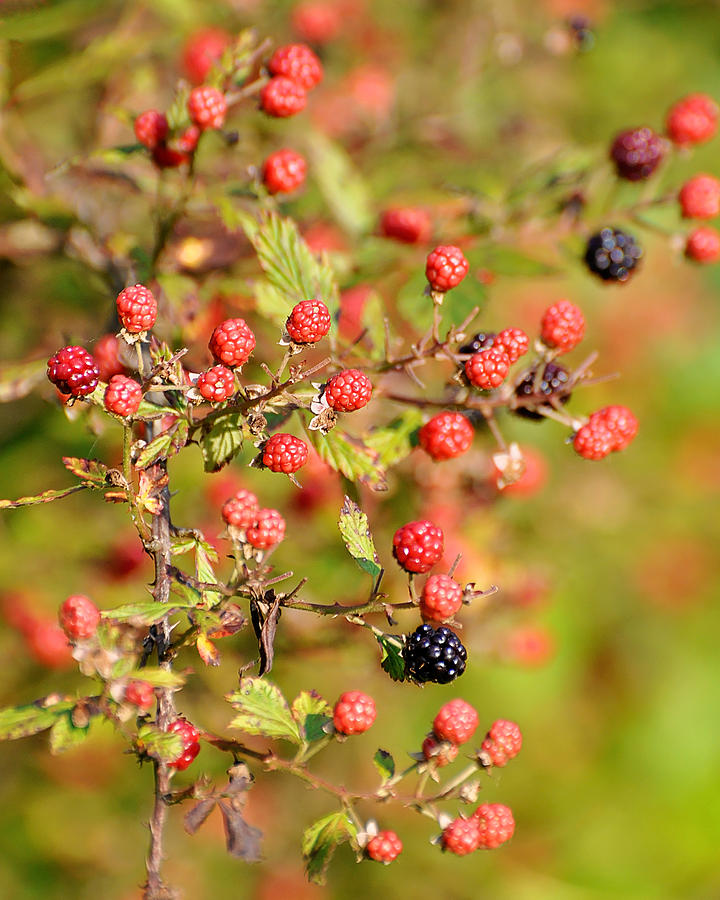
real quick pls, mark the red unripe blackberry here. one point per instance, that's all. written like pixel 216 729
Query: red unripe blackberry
pixel 299 63
pixel 136 308
pixel 267 530
pixel 445 268
pixel 188 140
pixel 284 453
pixel 202 50
pixel 48 645
pixel 442 753
pixel 106 354
pixel 79 617
pixel 703 245
pixel 408 224
pixel 488 368
pixel 456 722
pixel 347 391
pixel 151 128
pixel 461 836
pixel 73 371
pixel 217 384
pixel 496 824
pixel 637 153
pixel 140 694
pixel 207 107
pixel 182 762
pixel 621 423
pixel 308 322
pixel 232 342
pixel 562 326
pixel 166 157
pixel 384 847
pixel 446 435
pixel 318 21
pixel 354 713
pixel 594 440
pixel 189 736
pixel 241 510
pixel 281 97
pixel 700 197
pixel 418 546
pixel 123 396
pixel 441 598
pixel 513 341
pixel 692 120
pixel 502 743
pixel 284 172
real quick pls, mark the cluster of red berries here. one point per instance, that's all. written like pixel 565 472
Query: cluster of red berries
pixel 491 825
pixel 295 70
pixel 608 430
pixel 248 522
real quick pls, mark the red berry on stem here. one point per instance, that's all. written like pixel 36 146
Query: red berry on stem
pixel 207 107
pixel 241 509
pixel 594 440
pixel 349 390
pixel 488 368
pixel 282 97
pixel 136 308
pixel 284 453
pixel 48 645
pixel 354 713
pixel 189 737
pixel 318 21
pixel 106 354
pixel 502 743
pixel 692 120
pixel 456 722
pixel 73 371
pixel 562 326
pixel 700 197
pixel 513 341
pixel 308 322
pixel 408 224
pixel 284 172
pixel 445 268
pixel 140 694
pixel 217 384
pixel 79 617
pixel 446 435
pixel 621 423
pixel 496 824
pixel 267 530
pixel 151 128
pixel 123 396
pixel 299 63
pixel 202 50
pixel 232 342
pixel 703 245
pixel 441 598
pixel 418 546
pixel 461 836
pixel 166 157
pixel 637 153
pixel 442 753
pixel 384 847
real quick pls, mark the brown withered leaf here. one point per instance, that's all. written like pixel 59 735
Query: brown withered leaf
pixel 242 839
pixel 197 816
pixel 265 616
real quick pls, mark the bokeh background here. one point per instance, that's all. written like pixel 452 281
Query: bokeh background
pixel 602 643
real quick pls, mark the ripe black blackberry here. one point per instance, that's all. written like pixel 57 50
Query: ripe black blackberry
pixel 612 254
pixel 434 654
pixel 553 384
pixel 482 341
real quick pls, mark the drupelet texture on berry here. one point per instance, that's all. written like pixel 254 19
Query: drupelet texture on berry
pixel 284 171
pixel 151 128
pixel 483 340
pixel 267 529
pixel 496 824
pixel 418 546
pixel 123 396
pixel 608 430
pixel 621 423
pixel 217 384
pixel 232 342
pixel 700 197
pixel 79 617
pixel 446 435
pixel 140 694
pixel 692 120
pixel 502 743
pixel 553 386
pixel 284 453
pixel 298 63
pixel 308 322
pixel 456 721
pixel 282 97
pixel 703 245
pixel 488 368
pixel 136 308
pixel 562 326
pixel 441 598
pixel 461 836
pixel 408 224
pixel 612 255
pixel 354 713
pixel 207 107
pixel 384 847
pixel 347 391
pixel 191 746
pixel 241 509
pixel 445 268
pixel 434 654
pixel 637 153
pixel 513 341
pixel 73 371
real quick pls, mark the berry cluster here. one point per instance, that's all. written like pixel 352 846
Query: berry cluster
pixel 295 70
pixel 608 430
pixel 248 523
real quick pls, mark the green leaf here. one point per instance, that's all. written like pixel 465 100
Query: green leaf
pixel 311 712
pixel 157 449
pixel 223 442
pixel 16 381
pixel 22 721
pixel 53 20
pixel 145 612
pixel 157 677
pixel 64 735
pixel 320 841
pixel 272 303
pixel 340 184
pixel 391 658
pixel 161 744
pixel 263 710
pixel 396 440
pixel 384 763
pixel 234 217
pixel 351 457
pixel 45 497
pixel 355 531
pixel 90 470
pixel 148 410
pixel 509 261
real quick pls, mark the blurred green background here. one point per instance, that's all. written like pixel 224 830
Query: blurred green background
pixel 603 641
